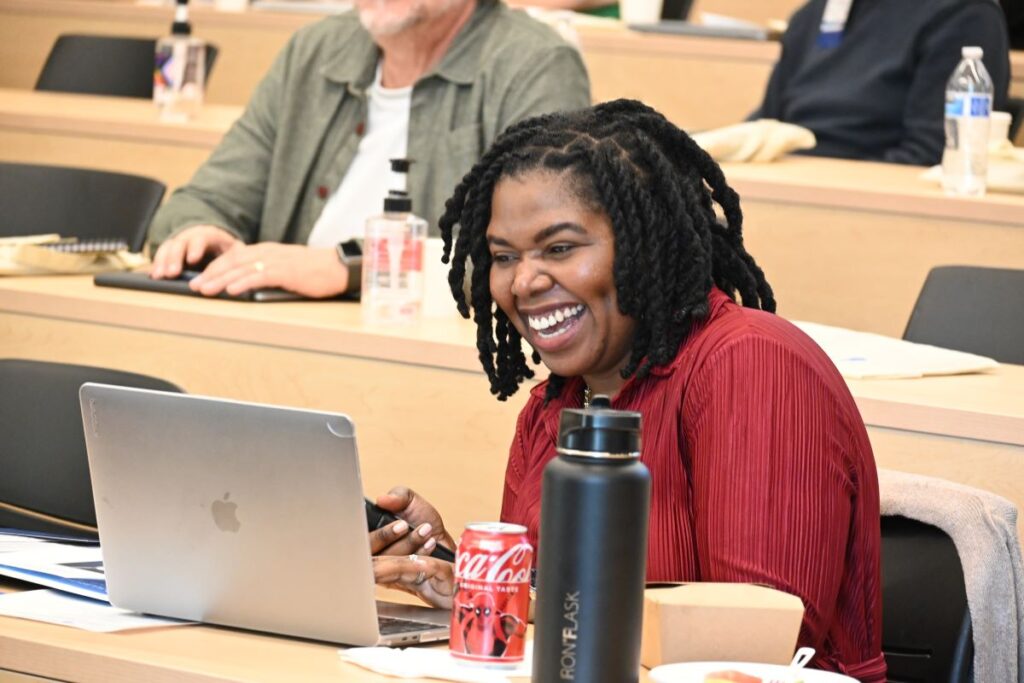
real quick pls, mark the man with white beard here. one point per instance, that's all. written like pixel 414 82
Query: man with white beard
pixel 296 177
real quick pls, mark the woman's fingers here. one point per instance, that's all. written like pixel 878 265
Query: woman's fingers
pixel 429 578
pixel 398 538
pixel 397 499
pixel 409 505
pixel 386 535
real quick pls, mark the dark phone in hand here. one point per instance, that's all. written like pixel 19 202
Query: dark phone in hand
pixel 377 517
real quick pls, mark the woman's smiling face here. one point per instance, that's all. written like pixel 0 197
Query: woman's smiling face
pixel 551 273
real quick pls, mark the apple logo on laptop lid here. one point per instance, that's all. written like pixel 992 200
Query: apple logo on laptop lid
pixel 225 514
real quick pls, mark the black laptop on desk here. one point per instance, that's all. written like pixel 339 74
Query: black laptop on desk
pixel 180 286
pixel 675 20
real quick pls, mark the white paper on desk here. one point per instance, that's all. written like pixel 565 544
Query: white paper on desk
pixel 9 544
pixel 418 662
pixel 71 568
pixel 55 607
pixel 58 559
pixel 863 355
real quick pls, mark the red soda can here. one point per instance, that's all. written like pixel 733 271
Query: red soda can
pixel 492 594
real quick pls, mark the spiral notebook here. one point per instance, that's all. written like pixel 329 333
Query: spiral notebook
pixel 52 254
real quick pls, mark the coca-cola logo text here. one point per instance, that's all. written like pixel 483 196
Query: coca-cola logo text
pixel 512 566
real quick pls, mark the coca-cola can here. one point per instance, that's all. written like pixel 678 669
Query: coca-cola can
pixel 492 594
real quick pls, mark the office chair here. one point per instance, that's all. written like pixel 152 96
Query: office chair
pixel 1015 107
pixel 45 483
pixel 77 202
pixel 926 626
pixel 974 309
pixel 104 65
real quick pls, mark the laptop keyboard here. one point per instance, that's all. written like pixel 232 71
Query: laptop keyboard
pixel 389 626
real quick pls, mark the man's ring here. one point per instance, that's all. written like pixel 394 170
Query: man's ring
pixel 259 266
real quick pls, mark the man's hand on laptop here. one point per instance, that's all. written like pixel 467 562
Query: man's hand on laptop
pixel 188 248
pixel 418 530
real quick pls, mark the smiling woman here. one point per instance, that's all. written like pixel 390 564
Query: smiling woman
pixel 551 273
pixel 593 237
pixel 595 234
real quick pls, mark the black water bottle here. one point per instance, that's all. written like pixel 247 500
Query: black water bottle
pixel 593 550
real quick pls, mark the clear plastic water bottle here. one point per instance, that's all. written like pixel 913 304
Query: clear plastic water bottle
pixel 179 74
pixel 968 108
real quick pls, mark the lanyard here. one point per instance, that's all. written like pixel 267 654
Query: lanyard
pixel 833 23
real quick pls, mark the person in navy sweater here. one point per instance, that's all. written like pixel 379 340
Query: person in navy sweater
pixel 875 89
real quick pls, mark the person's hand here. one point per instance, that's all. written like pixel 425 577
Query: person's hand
pixel 418 530
pixel 429 578
pixel 190 246
pixel 316 273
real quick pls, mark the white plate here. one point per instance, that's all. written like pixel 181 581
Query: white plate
pixel 694 672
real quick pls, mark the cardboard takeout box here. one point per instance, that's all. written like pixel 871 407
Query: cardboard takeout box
pixel 729 622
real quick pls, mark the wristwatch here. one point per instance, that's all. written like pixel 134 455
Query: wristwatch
pixel 350 253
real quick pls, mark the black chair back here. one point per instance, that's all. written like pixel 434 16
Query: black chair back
pixel 77 202
pixel 926 626
pixel 104 65
pixel 974 309
pixel 45 478
pixel 1015 107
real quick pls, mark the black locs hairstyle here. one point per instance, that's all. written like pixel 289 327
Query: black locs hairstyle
pixel 657 188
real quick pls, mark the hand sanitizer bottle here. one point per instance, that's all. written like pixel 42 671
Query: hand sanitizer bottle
pixel 179 72
pixel 392 291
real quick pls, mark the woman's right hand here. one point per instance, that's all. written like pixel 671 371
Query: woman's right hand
pixel 418 530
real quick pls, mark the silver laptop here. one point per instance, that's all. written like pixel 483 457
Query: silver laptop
pixel 239 514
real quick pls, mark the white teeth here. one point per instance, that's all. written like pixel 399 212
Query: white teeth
pixel 549 335
pixel 543 322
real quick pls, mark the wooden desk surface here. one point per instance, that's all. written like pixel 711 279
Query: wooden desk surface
pixel 869 187
pixel 318 326
pixel 863 186
pixel 108 133
pixel 1017 76
pixel 189 654
pixel 850 243
pixel 987 406
pixel 114 118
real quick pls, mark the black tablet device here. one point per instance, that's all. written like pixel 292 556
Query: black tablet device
pixel 180 286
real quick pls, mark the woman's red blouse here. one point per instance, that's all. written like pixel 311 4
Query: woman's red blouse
pixel 761 472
